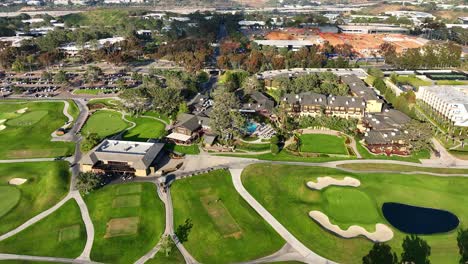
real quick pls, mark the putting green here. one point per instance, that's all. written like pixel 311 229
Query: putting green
pixel 348 206
pixel 105 123
pixel 9 198
pixel 28 119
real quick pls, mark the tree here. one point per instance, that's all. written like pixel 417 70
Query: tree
pixel 135 100
pixel 418 135
pixel 462 242
pixel 380 254
pixel 415 250
pixel 18 66
pixel 167 245
pixel 226 120
pixel 251 84
pixel 89 141
pixel 61 77
pixel 182 232
pixel 183 108
pixel 165 100
pixel 87 182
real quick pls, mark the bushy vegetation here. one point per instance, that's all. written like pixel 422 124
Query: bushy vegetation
pixel 347 126
pixel 323 83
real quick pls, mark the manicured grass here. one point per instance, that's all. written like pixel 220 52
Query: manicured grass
pixel 92 91
pixel 28 135
pixel 73 110
pixel 319 143
pixel 400 168
pixel 286 156
pixel 125 247
pixel 451 82
pixel 414 157
pixel 163 117
pixel 61 234
pixel 105 123
pixel 47 183
pixel 146 128
pixel 230 229
pixel 252 146
pixel 413 81
pixel 9 198
pixel 190 150
pixel 282 190
pixel 174 257
pixel 107 102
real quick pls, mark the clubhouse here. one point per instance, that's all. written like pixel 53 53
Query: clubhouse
pixel 122 157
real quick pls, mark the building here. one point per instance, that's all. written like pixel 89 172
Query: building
pixel 451 102
pixel 258 103
pixel 372 29
pixel 188 128
pixel 358 88
pixel 382 132
pixel 72 49
pixel 289 44
pixel 463 20
pixel 122 157
pixel 411 14
pixel 15 41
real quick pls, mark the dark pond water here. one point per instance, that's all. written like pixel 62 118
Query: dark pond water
pixel 419 220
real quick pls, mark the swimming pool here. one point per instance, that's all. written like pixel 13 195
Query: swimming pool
pixel 251 127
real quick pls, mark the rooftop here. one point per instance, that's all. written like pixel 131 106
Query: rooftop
pixel 124 147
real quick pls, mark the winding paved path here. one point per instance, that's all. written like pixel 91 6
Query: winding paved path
pixel 308 255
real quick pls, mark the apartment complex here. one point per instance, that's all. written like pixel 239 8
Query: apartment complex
pixel 449 101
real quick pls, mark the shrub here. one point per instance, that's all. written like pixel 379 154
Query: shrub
pixel 274 149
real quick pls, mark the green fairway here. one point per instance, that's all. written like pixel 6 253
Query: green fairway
pixel 230 229
pixel 400 168
pixel 105 123
pixel 125 232
pixel 146 128
pixel 282 190
pixel 9 198
pixel 28 135
pixel 320 143
pixel 47 183
pixel 61 234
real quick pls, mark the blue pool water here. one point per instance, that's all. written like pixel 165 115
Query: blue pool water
pixel 251 127
pixel 419 220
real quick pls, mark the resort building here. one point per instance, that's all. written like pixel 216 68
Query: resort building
pixel 451 102
pixel 258 103
pixel 188 128
pixel 289 44
pixel 372 29
pixel 382 132
pixel 358 88
pixel 122 157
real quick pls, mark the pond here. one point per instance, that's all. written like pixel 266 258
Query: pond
pixel 419 220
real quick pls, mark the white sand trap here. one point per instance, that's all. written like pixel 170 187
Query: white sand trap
pixel 17 181
pixel 2 121
pixel 2 127
pixel 382 232
pixel 22 110
pixel 323 182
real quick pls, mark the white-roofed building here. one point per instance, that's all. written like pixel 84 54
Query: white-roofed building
pixel 449 101
pixel 289 44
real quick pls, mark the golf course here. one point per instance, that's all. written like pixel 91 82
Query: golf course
pixel 128 220
pixel 282 190
pixel 225 228
pixel 104 123
pixel 46 184
pixel 321 143
pixel 146 128
pixel 26 128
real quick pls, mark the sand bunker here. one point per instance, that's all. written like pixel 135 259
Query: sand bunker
pixel 382 232
pixel 323 182
pixel 17 181
pixel 2 127
pixel 2 121
pixel 22 111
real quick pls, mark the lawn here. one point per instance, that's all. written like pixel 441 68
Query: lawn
pixel 225 228
pixel 282 190
pixel 126 227
pixel 174 257
pixel 190 149
pixel 163 117
pixel 412 80
pixel 451 82
pixel 105 123
pixel 320 143
pixel 47 184
pixel 9 198
pixel 28 135
pixel 253 147
pixel 284 155
pixel 400 168
pixel 146 128
pixel 73 110
pixel 61 234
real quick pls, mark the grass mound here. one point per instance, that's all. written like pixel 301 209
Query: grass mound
pixel 28 119
pixel 9 198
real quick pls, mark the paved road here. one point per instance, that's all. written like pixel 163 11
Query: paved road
pixel 308 255
pixel 86 254
pixel 44 259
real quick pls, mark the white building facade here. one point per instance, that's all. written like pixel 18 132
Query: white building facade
pixel 449 101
